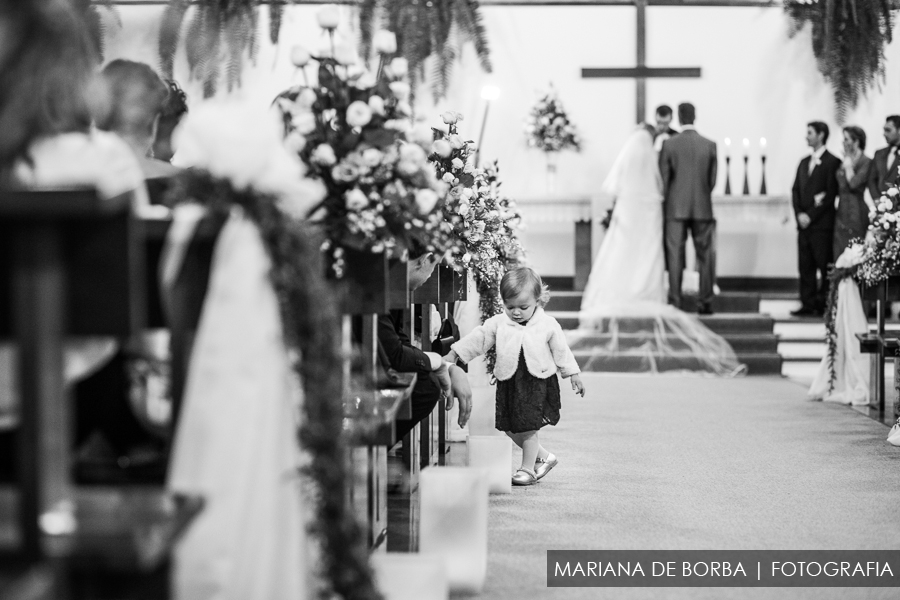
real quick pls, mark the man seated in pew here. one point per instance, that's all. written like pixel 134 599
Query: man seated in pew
pixel 48 68
pixel 435 377
pixel 173 110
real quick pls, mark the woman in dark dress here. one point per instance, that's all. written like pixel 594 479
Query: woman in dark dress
pixel 852 219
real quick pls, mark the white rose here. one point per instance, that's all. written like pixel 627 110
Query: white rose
pixel 408 167
pixel 306 98
pixel 469 169
pixel 456 142
pixel 376 103
pixel 441 148
pixel 365 81
pixel 462 209
pixel 448 177
pixel 888 205
pixel 358 114
pixel 457 163
pixel 384 42
pixel 426 199
pixel 413 153
pixel 467 192
pixel 400 89
pixel 893 192
pixel 328 16
pixel 399 67
pixel 355 199
pixel 451 117
pixel 304 123
pixel 295 142
pixel 299 56
pixel 323 155
pixel 372 157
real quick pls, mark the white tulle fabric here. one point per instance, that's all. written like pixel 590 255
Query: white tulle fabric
pixel 851 367
pixel 623 310
pixel 236 442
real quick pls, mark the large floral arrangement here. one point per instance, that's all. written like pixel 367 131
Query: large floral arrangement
pixel 548 127
pixel 351 129
pixel 486 222
pixel 240 161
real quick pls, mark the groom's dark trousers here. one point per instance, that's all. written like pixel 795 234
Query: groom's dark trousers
pixel 688 165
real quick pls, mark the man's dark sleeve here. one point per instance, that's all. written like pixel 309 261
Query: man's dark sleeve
pixel 401 354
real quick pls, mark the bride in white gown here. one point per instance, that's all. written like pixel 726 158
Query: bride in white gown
pixel 628 281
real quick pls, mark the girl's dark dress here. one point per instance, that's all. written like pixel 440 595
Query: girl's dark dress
pixel 526 403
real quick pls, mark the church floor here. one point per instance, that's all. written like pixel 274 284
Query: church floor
pixel 684 463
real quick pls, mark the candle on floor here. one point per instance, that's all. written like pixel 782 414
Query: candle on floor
pixel 493 454
pixel 453 523
pixel 404 576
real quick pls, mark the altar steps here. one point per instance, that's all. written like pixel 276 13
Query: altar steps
pixel 736 318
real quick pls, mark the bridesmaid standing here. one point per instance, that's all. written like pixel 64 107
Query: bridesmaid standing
pixel 852 219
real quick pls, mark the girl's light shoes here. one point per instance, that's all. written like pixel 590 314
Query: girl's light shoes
pixel 542 467
pixel 524 477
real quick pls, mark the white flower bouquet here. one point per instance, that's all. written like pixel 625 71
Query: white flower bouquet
pixel 548 127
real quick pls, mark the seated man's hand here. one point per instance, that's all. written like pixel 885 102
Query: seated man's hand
pixel 443 378
pixel 463 391
pixel 804 220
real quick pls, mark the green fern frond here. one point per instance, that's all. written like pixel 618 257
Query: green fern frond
pixel 276 12
pixel 169 33
pixel 443 68
pixel 470 22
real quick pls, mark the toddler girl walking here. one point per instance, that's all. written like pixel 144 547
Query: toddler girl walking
pixel 531 348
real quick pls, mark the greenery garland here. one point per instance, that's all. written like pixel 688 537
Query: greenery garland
pixel 848 40
pixel 311 329
pixel 427 29
pixel 220 34
pixel 835 276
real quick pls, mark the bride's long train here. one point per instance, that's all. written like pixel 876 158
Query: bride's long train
pixel 650 337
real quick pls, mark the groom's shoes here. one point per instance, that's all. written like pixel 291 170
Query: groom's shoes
pixel 803 311
pixel 704 309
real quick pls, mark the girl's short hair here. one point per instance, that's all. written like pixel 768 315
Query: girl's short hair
pixel 137 96
pixel 519 279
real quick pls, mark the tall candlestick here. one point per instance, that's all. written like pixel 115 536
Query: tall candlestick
pixel 762 149
pixel 727 166
pixel 746 159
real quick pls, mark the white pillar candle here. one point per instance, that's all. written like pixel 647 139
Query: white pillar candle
pixel 404 576
pixel 482 419
pixel 453 524
pixel 493 454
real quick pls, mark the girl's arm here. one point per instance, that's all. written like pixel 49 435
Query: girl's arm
pixel 562 356
pixel 480 340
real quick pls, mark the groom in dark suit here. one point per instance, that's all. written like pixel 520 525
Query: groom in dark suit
pixel 688 164
pixel 814 192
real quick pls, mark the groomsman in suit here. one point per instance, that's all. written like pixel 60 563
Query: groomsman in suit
pixel 886 171
pixel 814 192
pixel 688 166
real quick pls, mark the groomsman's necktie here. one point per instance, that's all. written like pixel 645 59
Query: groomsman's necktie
pixel 892 157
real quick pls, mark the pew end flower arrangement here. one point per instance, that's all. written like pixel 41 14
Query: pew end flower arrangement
pixel 351 128
pixel 869 261
pixel 242 165
pixel 485 222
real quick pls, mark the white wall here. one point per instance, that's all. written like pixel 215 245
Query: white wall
pixel 756 83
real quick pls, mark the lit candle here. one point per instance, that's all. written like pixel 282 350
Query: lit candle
pixel 762 145
pixel 746 146
pixel 727 146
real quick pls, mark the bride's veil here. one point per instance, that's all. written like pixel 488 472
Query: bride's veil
pixel 635 173
pixel 639 335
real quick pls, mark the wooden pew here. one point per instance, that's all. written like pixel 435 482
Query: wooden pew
pixel 874 343
pixel 72 264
